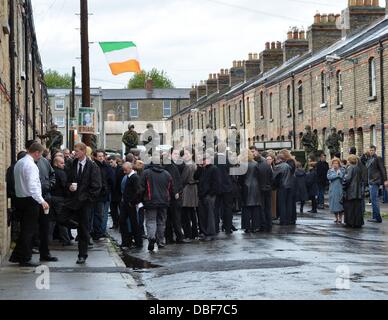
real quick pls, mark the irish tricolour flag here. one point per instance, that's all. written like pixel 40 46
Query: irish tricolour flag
pixel 122 56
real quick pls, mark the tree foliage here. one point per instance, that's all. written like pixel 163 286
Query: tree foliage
pixel 55 80
pixel 160 80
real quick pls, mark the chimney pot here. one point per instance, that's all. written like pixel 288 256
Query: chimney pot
pixel 360 3
pixel 235 64
pixel 375 3
pixel 149 84
pixel 331 17
pixel 278 45
pixel 302 35
pixel 226 71
pixel 368 3
pixel 317 18
pixel 255 56
pixel 267 46
pixel 222 71
pixel 250 56
pixel 289 35
pixel 324 18
pixel 273 45
pixel 215 76
pixel 295 34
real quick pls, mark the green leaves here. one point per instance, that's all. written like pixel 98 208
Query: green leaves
pixel 54 80
pixel 160 80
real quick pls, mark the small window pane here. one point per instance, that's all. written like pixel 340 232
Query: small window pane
pixel 167 109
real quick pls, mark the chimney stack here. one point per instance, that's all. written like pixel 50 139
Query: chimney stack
pixel 361 14
pixel 211 85
pixel 271 57
pixel 223 80
pixel 193 94
pixel 201 90
pixel 295 46
pixel 252 66
pixel 324 32
pixel 237 73
pixel 149 85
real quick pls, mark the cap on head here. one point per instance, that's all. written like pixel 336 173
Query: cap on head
pixel 308 128
pixel 54 126
pixel 131 126
pixel 150 125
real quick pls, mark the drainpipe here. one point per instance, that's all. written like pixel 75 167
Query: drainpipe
pixel 33 92
pixel 26 70
pixel 293 112
pixel 382 99
pixel 12 79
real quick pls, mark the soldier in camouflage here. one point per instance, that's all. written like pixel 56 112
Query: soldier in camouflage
pixel 130 139
pixel 309 142
pixel 333 142
pixel 54 139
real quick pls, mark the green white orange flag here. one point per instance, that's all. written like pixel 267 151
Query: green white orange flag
pixel 121 56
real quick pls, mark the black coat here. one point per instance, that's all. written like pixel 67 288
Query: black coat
pixel 301 185
pixel 322 170
pixel 377 174
pixel 224 166
pixel 132 192
pixel 250 186
pixel 265 174
pixel 173 170
pixel 89 185
pixel 116 190
pixel 283 177
pixel 353 183
pixel 209 181
pixel 312 183
pixel 107 181
pixel 157 186
pixel 59 189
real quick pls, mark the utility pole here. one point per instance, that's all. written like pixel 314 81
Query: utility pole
pixel 72 111
pixel 86 138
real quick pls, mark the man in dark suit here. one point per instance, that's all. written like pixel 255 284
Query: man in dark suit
pixel 84 186
pixel 131 198
pixel 116 191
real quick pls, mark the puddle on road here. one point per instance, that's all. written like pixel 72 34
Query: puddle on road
pixel 137 263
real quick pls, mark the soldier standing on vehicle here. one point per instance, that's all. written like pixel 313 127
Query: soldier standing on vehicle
pixel 130 139
pixel 333 142
pixel 55 139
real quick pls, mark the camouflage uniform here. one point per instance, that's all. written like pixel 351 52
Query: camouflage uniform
pixel 333 143
pixel 309 142
pixel 55 139
pixel 131 140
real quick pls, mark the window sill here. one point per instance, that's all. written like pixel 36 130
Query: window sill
pixel 300 112
pixel 323 105
pixel 270 120
pixel 373 98
pixel 289 115
pixel 261 117
pixel 340 106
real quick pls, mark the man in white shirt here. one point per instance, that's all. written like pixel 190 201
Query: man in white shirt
pixel 29 199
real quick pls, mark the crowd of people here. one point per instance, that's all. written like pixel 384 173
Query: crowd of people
pixel 178 196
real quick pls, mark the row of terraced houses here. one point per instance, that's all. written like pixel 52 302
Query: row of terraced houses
pixel 333 75
pixel 24 110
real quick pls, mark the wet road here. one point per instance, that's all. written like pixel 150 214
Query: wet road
pixel 314 260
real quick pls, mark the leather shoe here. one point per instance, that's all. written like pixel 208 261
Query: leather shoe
pixel 151 245
pixel 81 260
pixel 29 264
pixel 14 259
pixel 234 228
pixel 49 259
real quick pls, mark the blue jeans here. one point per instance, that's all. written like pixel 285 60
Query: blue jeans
pixel 105 218
pixel 321 196
pixel 385 195
pixel 374 196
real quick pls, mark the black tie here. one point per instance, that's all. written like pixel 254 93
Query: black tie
pixel 79 172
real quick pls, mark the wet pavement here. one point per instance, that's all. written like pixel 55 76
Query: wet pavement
pixel 103 277
pixel 316 259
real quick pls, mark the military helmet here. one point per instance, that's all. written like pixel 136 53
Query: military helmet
pixel 308 128
pixel 131 126
pixel 150 125
pixel 54 126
